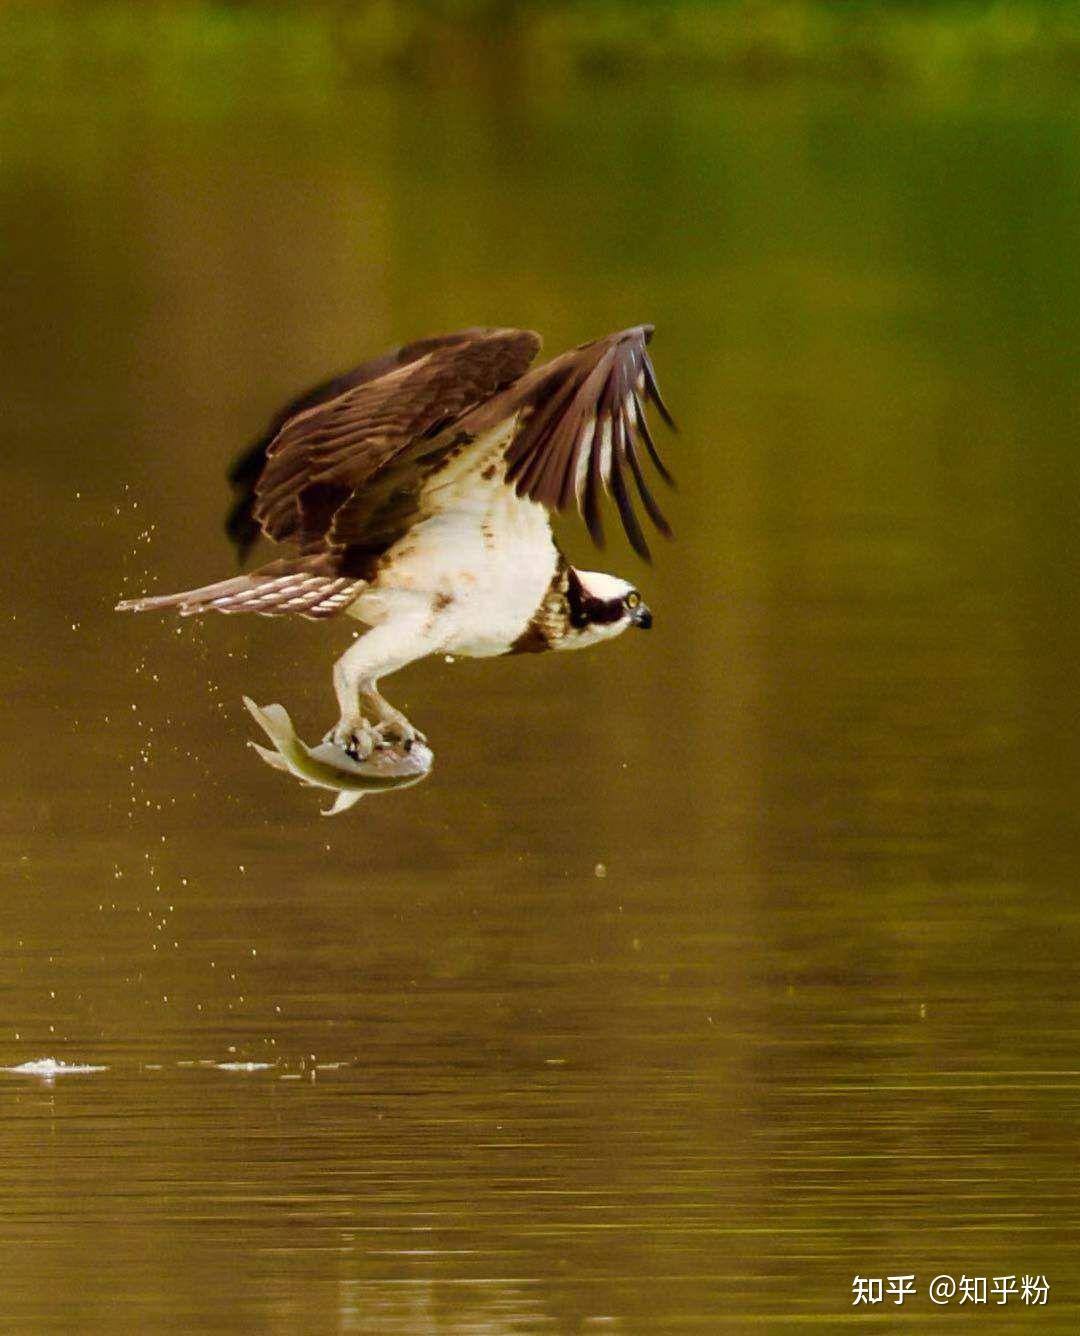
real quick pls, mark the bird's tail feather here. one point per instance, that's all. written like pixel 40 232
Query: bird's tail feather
pixel 272 591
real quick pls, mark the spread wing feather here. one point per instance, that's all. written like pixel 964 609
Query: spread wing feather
pixel 582 426
pixel 325 453
pixel 294 479
pixel 337 471
pixel 241 524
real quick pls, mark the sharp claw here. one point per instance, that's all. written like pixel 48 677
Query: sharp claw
pixel 356 741
pixel 397 733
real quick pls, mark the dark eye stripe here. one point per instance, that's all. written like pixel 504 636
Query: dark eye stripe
pixel 601 610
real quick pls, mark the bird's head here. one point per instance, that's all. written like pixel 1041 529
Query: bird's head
pixel 600 607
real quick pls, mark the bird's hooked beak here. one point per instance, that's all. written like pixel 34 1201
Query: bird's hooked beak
pixel 641 616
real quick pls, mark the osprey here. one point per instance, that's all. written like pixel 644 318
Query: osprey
pixel 416 491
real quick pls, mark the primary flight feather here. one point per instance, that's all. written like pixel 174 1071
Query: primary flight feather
pixel 416 492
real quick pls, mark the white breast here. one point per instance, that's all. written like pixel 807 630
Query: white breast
pixel 483 555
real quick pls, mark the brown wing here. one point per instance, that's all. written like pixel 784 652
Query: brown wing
pixel 243 473
pixel 582 428
pixel 341 434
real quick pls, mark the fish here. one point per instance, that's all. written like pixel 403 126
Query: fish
pixel 329 766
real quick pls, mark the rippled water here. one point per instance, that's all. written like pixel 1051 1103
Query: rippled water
pixel 709 969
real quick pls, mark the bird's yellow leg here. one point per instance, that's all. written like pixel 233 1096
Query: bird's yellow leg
pixel 384 649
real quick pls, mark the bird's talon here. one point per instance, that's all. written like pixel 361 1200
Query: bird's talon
pixel 397 733
pixel 357 741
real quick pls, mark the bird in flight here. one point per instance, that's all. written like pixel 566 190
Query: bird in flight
pixel 416 492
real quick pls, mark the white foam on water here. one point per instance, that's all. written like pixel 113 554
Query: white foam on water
pixel 50 1068
pixel 244 1066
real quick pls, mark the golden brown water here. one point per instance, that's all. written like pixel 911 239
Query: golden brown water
pixel 708 970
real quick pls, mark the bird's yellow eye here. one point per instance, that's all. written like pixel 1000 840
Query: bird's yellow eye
pixel 633 599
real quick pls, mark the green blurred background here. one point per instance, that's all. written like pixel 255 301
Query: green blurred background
pixel 708 970
pixel 933 40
